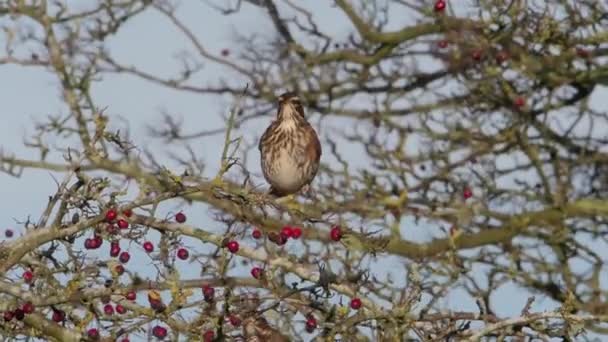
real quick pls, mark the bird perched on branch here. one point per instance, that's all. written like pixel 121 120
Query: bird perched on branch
pixel 290 149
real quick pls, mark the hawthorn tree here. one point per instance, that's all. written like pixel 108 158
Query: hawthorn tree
pixel 463 153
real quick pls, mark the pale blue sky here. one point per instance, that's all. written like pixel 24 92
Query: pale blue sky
pixel 27 94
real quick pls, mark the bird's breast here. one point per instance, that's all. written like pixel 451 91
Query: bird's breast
pixel 286 172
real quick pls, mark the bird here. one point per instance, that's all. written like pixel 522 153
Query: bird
pixel 257 329
pixel 290 149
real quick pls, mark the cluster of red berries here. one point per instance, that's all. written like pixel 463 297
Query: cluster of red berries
pixel 19 313
pixel 94 242
pixel 108 309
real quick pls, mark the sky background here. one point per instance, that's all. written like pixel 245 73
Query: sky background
pixel 148 41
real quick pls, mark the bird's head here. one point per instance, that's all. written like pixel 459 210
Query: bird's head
pixel 290 106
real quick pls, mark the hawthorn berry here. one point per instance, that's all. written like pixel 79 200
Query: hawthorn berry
pixel 58 316
pixel 180 217
pixel 286 232
pixel 89 243
pixel 148 247
pixel 442 44
pixel 114 249
pixel 108 309
pixel 8 316
pixel 208 336
pixel 124 257
pixel 233 246
pixel 296 233
pixel 119 269
pixel 27 307
pixel 19 314
pixel 208 293
pixel 256 234
pixel 111 215
pixel 131 295
pixel 335 233
pixel 256 272
pixel 123 224
pixel 467 193
pixel 183 253
pixel 501 57
pixel 93 333
pixel 476 55
pixel 120 309
pixel 8 233
pixel 234 320
pixel 355 303
pixel 225 52
pixel 159 332
pixel 28 276
pixel 126 339
pixel 97 241
pixel 519 102
pixel 439 5
pixel 311 324
pixel 127 212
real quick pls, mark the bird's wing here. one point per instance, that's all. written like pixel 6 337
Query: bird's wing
pixel 313 149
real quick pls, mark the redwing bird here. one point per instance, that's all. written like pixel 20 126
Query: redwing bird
pixel 290 149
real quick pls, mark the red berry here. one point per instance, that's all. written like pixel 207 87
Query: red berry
pixel 335 233
pixel 519 102
pixel 97 240
pixel 286 232
pixel 234 320
pixel 232 246
pixel 355 303
pixel 19 314
pixel 296 232
pixel 159 332
pixel 123 224
pixel 180 217
pixel 582 52
pixel 183 253
pixel 93 333
pixel 8 316
pixel 225 52
pixel 108 309
pixel 124 257
pixel 58 316
pixel 256 272
pixel 208 293
pixel 501 57
pixel 126 339
pixel 439 5
pixel 114 249
pixel 131 295
pixel 256 234
pixel 120 309
pixel 89 243
pixel 28 276
pixel 442 44
pixel 111 215
pixel 476 55
pixel 467 193
pixel 127 212
pixel 208 336
pixel 148 246
pixel 27 307
pixel 311 324
pixel 8 233
pixel 119 269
